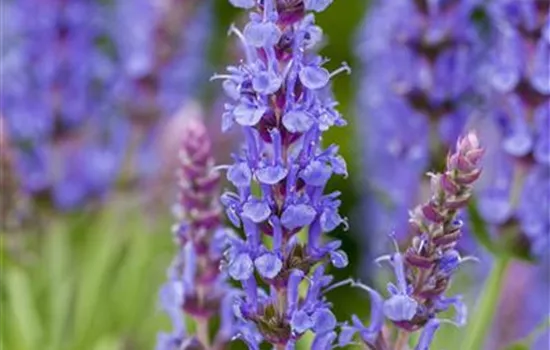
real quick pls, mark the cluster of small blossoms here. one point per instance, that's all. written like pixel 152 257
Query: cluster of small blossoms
pixel 516 189
pixel 414 99
pixel 196 287
pixel 161 46
pixel 64 143
pixel 282 102
pixel 424 271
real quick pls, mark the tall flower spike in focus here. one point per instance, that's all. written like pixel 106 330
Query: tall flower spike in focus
pixel 281 99
pixel 424 270
pixel 196 287
pixel 416 95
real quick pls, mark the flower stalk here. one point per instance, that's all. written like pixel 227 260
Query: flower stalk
pixel 423 272
pixel 196 287
pixel 281 99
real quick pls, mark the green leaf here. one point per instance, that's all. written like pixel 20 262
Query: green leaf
pixel 107 343
pixel 100 253
pixel 481 320
pixel 57 256
pixel 25 318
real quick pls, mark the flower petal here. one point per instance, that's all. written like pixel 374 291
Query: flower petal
pixel 324 321
pixel 256 210
pixel 301 322
pixel 240 175
pixel 316 173
pixel 297 121
pixel 314 77
pixel 248 115
pixel 241 268
pixel 298 216
pixel 271 175
pixel 268 265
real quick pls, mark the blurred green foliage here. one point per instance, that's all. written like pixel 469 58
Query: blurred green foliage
pixel 88 282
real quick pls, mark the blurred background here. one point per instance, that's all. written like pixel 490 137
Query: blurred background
pixel 94 96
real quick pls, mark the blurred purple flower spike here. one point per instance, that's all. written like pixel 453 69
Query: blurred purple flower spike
pixel 196 287
pixel 416 96
pixel 518 126
pixel 66 147
pixel 279 100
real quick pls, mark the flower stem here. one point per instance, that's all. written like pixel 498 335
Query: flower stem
pixel 402 340
pixel 203 333
pixel 481 320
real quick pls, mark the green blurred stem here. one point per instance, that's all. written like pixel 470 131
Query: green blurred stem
pixel 203 332
pixel 480 322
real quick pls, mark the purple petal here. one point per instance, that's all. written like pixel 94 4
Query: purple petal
pixel 330 219
pixel 427 335
pixel 248 115
pixel 339 259
pixel 190 266
pixel 400 308
pixel 323 341
pixel 449 262
pixel 271 175
pixel 245 4
pixel 266 83
pixel 233 217
pixel 314 77
pixel 268 265
pixel 338 164
pixel 264 34
pixel 297 216
pixel 317 5
pixel 346 335
pixel 316 173
pixel 240 175
pixel 256 210
pixel 323 320
pixel 301 322
pixel 297 121
pixel 241 268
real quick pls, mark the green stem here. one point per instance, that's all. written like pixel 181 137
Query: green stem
pixel 481 320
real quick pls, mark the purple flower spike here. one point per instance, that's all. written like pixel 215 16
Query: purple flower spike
pixel 423 273
pixel 280 98
pixel 516 128
pixel 65 146
pixel 196 286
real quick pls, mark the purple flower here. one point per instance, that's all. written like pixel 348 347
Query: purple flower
pixel 516 129
pixel 279 99
pixel 195 284
pixel 66 146
pixel 162 66
pixel 424 271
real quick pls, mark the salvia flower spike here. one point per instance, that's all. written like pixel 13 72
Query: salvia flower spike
pixel 281 99
pixel 424 270
pixel 196 287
